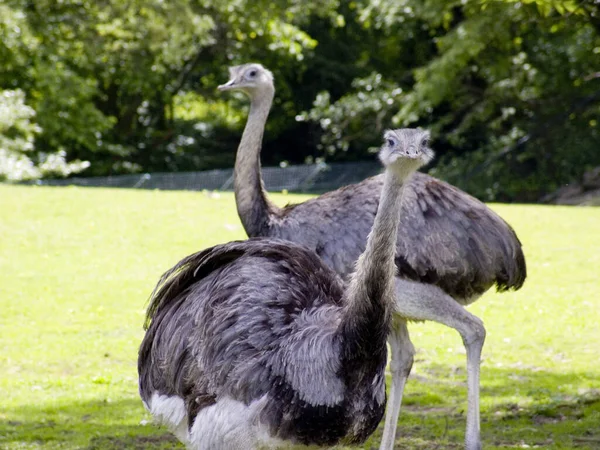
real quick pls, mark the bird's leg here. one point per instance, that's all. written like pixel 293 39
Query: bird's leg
pixel 420 301
pixel 473 341
pixel 402 352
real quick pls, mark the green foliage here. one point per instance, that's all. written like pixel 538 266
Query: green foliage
pixel 510 89
pixel 77 266
pixel 103 77
pixel 373 100
pixel 496 73
pixel 17 138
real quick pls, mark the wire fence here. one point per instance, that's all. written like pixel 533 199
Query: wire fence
pixel 313 178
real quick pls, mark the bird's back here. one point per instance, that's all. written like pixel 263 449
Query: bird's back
pixel 253 323
pixel 446 237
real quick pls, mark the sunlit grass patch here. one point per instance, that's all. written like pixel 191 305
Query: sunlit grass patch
pixel 77 266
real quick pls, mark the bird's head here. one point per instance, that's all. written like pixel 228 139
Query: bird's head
pixel 249 78
pixel 406 148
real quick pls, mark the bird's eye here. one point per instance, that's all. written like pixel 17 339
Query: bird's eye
pixel 252 73
pixel 391 142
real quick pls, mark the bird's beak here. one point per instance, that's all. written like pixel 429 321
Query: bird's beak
pixel 229 85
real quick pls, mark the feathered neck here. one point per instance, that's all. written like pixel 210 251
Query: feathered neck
pixel 371 291
pixel 253 205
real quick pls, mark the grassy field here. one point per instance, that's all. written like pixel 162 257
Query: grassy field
pixel 77 266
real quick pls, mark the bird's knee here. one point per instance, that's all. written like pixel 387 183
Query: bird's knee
pixel 475 333
pixel 402 361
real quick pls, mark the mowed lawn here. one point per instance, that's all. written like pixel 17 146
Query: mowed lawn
pixel 77 266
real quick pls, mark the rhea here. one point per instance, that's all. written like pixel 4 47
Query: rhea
pixel 258 344
pixel 451 248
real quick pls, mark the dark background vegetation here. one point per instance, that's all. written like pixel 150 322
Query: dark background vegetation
pixel 510 89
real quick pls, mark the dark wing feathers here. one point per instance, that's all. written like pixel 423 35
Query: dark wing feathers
pixel 228 321
pixel 197 266
pixel 166 358
pixel 335 225
pixel 187 271
pixel 448 238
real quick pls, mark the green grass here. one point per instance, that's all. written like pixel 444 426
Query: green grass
pixel 77 266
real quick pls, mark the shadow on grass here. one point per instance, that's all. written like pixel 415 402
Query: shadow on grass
pixel 548 411
pixel 165 441
pixel 94 425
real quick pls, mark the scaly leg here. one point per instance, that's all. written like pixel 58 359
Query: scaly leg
pixel 402 352
pixel 420 301
pixel 474 347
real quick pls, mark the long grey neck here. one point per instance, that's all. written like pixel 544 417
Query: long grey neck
pixel 371 292
pixel 253 206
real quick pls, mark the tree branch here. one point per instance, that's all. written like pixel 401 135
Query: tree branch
pixel 581 105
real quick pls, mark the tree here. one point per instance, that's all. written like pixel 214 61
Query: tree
pixel 509 88
pixel 510 91
pixel 17 136
pixel 105 77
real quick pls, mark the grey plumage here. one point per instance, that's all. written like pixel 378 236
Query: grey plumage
pixel 450 249
pixel 444 233
pixel 233 321
pixel 260 343
pixel 446 237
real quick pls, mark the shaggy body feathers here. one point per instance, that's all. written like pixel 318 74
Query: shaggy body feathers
pixel 446 237
pixel 262 319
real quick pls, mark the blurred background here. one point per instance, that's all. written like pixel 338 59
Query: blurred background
pixel 510 89
pixel 123 94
